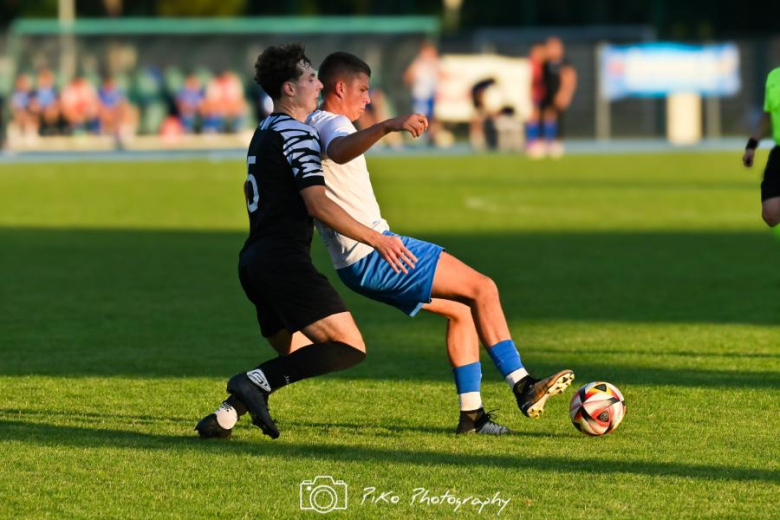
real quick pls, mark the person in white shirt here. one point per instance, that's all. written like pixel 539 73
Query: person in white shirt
pixel 439 282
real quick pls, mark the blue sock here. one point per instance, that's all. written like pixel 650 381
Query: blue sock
pixel 551 130
pixel 531 131
pixel 507 361
pixel 468 379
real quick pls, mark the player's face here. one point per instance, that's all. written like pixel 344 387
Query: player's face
pixel 356 96
pixel 307 88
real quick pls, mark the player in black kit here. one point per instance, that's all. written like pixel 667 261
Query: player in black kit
pixel 299 312
pixel 560 81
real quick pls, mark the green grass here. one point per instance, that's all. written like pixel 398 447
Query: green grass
pixel 121 318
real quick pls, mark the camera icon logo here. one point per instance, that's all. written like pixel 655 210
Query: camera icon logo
pixel 323 494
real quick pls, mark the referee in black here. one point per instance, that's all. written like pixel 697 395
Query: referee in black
pixel 299 312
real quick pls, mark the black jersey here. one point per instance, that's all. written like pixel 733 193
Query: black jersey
pixel 283 158
pixel 551 77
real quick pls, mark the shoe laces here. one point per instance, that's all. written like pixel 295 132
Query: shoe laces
pixel 489 426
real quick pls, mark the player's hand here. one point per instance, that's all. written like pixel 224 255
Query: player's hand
pixel 747 158
pixel 415 124
pixel 395 253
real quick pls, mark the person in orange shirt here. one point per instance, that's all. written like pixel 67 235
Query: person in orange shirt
pixel 80 106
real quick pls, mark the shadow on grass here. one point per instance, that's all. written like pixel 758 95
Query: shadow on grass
pixel 584 371
pixel 50 435
pixel 168 304
pixel 665 353
pixel 365 429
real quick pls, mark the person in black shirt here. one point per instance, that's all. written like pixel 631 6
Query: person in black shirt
pixel 560 81
pixel 298 311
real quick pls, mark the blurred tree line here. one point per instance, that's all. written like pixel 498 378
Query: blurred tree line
pixel 672 19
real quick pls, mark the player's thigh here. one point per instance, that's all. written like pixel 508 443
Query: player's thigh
pixel 454 280
pixel 336 327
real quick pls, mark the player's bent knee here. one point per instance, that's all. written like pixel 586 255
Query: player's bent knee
pixel 487 289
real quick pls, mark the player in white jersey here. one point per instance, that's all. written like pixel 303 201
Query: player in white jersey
pixel 299 312
pixel 439 282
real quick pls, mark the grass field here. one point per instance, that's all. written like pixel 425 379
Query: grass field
pixel 121 318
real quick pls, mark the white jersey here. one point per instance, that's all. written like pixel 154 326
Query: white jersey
pixel 350 187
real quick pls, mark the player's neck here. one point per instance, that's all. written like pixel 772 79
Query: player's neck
pixel 334 106
pixel 286 106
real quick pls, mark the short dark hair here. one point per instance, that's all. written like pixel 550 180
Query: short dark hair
pixel 338 65
pixel 278 64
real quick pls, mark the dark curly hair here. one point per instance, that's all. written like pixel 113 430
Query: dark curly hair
pixel 279 64
pixel 340 65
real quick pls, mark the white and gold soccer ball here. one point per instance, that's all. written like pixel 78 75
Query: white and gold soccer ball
pixel 597 408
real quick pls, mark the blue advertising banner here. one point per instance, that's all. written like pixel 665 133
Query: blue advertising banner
pixel 660 69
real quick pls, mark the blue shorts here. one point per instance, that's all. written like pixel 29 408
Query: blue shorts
pixel 373 277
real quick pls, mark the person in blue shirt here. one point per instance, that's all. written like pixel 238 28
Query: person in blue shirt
pixel 22 118
pixel 45 103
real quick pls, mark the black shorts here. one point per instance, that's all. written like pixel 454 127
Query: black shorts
pixel 770 187
pixel 289 295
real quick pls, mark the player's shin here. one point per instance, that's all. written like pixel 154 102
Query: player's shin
pixel 507 360
pixel 468 379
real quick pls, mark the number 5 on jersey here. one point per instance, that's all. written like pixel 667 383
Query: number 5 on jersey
pixel 251 193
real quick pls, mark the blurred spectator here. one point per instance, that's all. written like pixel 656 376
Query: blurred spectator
pixel 560 82
pixel 482 128
pixel 111 106
pixel 225 108
pixel 534 144
pixel 117 116
pixel 24 121
pixel 80 106
pixel 45 103
pixel 2 122
pixel 189 102
pixel 422 76
pixel 172 129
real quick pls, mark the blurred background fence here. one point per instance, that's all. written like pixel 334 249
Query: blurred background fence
pixel 149 62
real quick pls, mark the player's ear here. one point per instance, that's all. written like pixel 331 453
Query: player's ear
pixel 288 88
pixel 341 88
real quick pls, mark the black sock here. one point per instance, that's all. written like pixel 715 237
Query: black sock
pixel 310 361
pixel 237 405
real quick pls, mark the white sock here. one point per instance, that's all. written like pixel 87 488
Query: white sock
pixel 227 417
pixel 513 378
pixel 470 401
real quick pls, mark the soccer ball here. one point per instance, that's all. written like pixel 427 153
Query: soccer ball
pixel 597 408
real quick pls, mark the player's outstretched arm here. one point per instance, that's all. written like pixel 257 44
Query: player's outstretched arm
pixel 762 129
pixel 568 86
pixel 347 147
pixel 392 249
